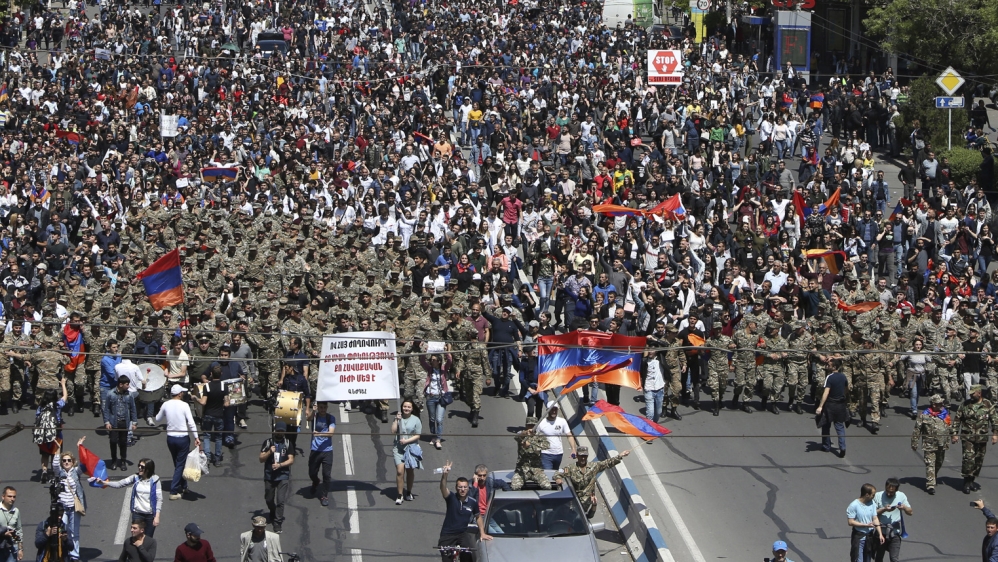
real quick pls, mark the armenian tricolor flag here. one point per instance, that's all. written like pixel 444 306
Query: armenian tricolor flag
pixel 832 201
pixel 617 211
pixel 93 465
pixel 609 358
pixel 70 136
pixel 73 339
pixel 859 307
pixel 4 93
pixel 219 174
pixel 631 424
pixel 163 282
pixel 672 208
pixel 835 259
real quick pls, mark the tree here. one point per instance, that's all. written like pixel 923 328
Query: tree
pixel 935 122
pixel 940 33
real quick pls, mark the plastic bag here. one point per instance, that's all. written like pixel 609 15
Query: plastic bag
pixel 192 469
pixel 203 462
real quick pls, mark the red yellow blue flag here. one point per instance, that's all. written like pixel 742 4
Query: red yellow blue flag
pixel 631 424
pixel 163 281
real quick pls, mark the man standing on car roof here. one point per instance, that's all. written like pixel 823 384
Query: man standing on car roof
pixel 583 477
pixel 528 458
pixel 462 513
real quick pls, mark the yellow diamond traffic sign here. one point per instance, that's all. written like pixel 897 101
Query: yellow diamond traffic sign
pixel 950 81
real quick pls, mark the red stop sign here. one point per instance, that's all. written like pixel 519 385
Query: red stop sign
pixel 665 62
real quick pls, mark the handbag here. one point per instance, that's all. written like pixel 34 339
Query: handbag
pixel 447 398
pixel 78 506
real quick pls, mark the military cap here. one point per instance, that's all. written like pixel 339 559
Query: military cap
pixel 531 420
pixel 437 307
pixel 936 399
pixel 379 318
pixel 473 292
pixel 582 451
pixel 672 328
pixel 456 310
pixel 976 388
pixel 292 307
pixel 788 307
pixel 851 314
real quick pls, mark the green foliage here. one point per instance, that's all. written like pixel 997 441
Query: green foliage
pixel 964 164
pixel 715 20
pixel 935 122
pixel 939 33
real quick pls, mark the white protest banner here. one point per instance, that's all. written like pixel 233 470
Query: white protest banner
pixel 358 366
pixel 168 125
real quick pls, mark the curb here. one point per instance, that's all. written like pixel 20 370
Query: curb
pixel 643 538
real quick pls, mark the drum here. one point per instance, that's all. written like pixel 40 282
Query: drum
pixel 237 391
pixel 153 387
pixel 290 407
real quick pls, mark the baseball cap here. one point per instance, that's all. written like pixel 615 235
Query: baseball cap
pixel 193 529
pixel 175 390
pixel 779 545
pixel 551 404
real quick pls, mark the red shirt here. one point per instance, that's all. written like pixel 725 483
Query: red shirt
pixel 200 553
pixel 511 210
pixel 483 499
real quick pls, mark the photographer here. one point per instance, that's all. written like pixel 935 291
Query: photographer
pixel 11 533
pixel 44 535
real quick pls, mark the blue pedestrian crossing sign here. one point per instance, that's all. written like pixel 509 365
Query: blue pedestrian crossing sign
pixel 946 102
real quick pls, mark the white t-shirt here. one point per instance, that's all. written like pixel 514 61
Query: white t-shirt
pixel 554 432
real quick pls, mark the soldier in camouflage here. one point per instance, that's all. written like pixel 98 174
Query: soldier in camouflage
pixel 934 429
pixel 718 366
pixel 771 369
pixel 745 341
pixel 583 475
pixel 975 420
pixel 945 381
pixel 801 341
pixel 528 458
pixel 673 361
pixel 869 378
pixel 474 365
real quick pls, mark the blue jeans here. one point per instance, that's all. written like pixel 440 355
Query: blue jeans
pixel 229 424
pixel 147 517
pixel 551 462
pixel 914 393
pixel 72 521
pixel 544 285
pixel 840 430
pixel 781 149
pixel 436 411
pixel 502 360
pixel 212 427
pixel 8 554
pixel 179 447
pixel 863 546
pixel 150 409
pixel 653 403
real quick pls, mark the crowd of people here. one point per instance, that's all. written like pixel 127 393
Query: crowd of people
pixel 431 170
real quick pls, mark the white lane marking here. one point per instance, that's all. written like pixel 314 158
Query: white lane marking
pixel 355 555
pixel 352 508
pixel 663 494
pixel 123 519
pixel 347 455
pixel 344 414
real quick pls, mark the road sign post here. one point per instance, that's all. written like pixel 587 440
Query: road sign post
pixel 950 81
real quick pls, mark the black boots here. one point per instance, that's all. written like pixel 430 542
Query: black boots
pixel 797 408
pixel 384 416
pixel 474 418
pixel 968 485
pixel 696 397
pixel 675 413
pixel 717 407
pixel 734 399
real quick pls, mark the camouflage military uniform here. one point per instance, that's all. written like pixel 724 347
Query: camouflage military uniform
pixel 974 422
pixel 771 369
pixel 745 373
pixel 869 380
pixel 583 481
pixel 934 431
pixel 46 364
pixel 528 461
pixel 474 363
pixel 945 381
pixel 718 366
pixel 797 361
pixel 674 364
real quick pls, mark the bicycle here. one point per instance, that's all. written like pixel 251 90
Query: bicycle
pixel 454 552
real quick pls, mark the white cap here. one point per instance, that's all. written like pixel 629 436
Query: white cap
pixel 552 404
pixel 177 389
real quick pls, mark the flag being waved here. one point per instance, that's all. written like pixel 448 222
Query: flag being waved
pixel 631 424
pixel 580 357
pixel 163 282
pixel 93 466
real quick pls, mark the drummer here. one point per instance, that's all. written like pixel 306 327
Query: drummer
pixel 294 378
pixel 228 371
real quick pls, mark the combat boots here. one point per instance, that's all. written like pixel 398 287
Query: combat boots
pixel 675 414
pixel 474 418
pixel 968 485
pixel 734 399
pixel 717 407
pixel 696 397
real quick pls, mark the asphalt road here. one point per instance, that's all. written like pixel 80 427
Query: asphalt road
pixel 362 521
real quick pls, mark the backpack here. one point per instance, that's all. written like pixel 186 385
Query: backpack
pixel 45 426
